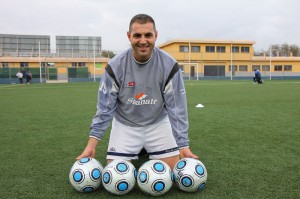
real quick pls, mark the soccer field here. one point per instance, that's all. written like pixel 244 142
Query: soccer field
pixel 247 135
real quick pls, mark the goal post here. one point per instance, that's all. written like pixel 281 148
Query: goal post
pixel 187 68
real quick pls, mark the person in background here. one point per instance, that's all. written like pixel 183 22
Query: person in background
pixel 28 76
pixel 20 76
pixel 257 77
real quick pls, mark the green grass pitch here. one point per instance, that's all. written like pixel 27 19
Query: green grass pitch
pixel 248 137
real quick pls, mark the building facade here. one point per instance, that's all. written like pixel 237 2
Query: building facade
pixel 78 46
pixel 24 45
pixel 78 58
pixel 75 57
pixel 234 59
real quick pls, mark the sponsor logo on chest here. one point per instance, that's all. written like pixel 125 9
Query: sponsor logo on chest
pixel 141 99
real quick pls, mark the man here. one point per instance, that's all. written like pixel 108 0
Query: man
pixel 257 77
pixel 28 77
pixel 20 76
pixel 142 92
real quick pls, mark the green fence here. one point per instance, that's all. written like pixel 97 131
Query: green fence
pixel 78 72
pixel 4 73
pixel 7 74
pixel 49 73
pixel 52 73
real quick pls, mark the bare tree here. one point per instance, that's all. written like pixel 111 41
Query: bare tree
pixel 283 50
pixel 295 50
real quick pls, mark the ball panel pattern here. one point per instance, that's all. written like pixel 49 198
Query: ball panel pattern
pixel 155 178
pixel 85 175
pixel 190 175
pixel 119 177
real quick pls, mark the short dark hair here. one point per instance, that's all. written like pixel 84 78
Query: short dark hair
pixel 142 19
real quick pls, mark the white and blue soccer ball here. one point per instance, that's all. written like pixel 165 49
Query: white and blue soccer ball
pixel 155 177
pixel 119 177
pixel 85 174
pixel 190 175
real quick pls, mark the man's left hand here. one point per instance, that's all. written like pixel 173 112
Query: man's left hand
pixel 187 153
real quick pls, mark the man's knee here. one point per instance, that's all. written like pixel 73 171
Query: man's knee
pixel 171 161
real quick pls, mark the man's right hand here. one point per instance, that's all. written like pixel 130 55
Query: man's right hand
pixel 90 149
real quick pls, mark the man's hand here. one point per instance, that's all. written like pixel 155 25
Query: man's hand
pixel 90 149
pixel 187 153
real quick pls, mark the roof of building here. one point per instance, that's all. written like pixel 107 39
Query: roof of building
pixel 266 58
pixel 206 41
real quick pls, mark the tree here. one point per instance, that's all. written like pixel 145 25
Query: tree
pixel 275 50
pixel 295 50
pixel 283 50
pixel 107 53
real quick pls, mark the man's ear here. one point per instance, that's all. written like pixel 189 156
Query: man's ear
pixel 128 35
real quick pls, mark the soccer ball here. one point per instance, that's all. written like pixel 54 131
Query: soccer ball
pixel 155 177
pixel 190 175
pixel 85 174
pixel 119 177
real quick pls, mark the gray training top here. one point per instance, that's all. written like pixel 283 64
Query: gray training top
pixel 141 94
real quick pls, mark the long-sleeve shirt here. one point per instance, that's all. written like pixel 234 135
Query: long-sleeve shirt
pixel 257 74
pixel 140 94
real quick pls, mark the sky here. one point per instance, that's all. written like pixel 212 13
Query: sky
pixel 265 22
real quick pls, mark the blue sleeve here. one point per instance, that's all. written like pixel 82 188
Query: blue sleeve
pixel 175 100
pixel 107 98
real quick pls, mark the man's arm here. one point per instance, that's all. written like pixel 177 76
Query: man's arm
pixel 176 105
pixel 107 98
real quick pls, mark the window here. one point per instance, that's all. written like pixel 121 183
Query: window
pixel 278 68
pixel 5 64
pixel 221 49
pixel 245 49
pixel 287 67
pixel 254 67
pixel 265 67
pixel 81 64
pixel 243 68
pixel 210 49
pixel 23 64
pixel 235 49
pixel 184 49
pixel 78 64
pixel 234 68
pixel 195 48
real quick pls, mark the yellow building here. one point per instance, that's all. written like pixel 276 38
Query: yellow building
pixel 77 58
pixel 52 69
pixel 227 59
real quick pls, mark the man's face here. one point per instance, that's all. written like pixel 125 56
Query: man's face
pixel 142 38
